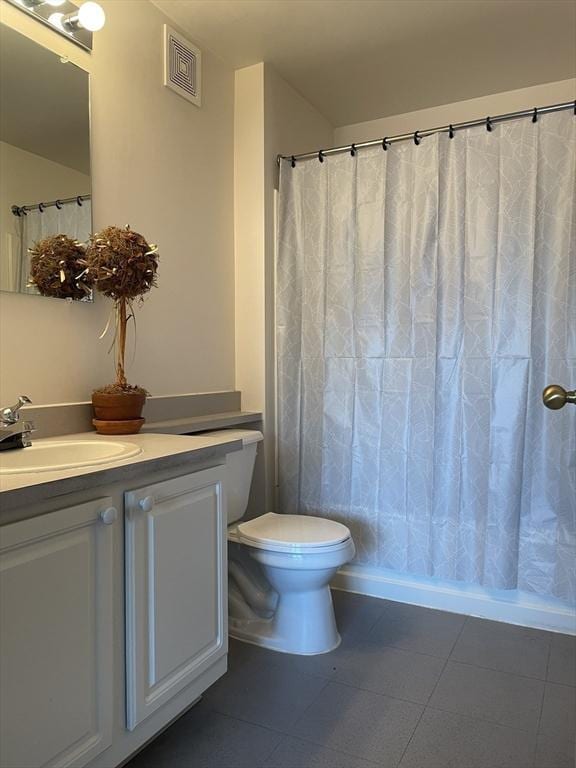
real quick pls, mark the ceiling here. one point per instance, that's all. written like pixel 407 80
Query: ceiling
pixel 44 105
pixel 358 60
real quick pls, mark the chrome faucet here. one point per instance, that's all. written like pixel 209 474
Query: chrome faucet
pixel 13 432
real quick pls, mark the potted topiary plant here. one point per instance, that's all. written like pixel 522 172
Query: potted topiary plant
pixel 120 264
pixel 53 267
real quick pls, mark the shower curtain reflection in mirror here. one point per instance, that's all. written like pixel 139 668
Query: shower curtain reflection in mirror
pixel 71 219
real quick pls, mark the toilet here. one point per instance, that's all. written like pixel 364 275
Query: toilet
pixel 279 566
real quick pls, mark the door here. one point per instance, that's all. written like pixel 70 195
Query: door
pixel 56 637
pixel 176 618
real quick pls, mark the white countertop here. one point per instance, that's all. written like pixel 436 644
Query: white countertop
pixel 157 452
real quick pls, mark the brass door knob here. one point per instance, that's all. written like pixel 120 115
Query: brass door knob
pixel 555 397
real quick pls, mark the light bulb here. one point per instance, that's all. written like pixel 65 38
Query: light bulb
pixel 91 16
pixel 55 3
pixel 56 20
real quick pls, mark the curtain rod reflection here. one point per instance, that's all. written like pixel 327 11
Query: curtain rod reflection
pixel 23 210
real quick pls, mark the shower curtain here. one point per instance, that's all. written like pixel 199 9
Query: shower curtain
pixel 425 296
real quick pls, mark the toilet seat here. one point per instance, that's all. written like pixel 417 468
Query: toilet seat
pixel 293 533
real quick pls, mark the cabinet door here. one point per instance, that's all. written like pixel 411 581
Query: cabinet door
pixel 56 637
pixel 176 613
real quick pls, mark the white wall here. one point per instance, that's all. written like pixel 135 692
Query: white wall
pixel 249 237
pixel 458 112
pixel 270 118
pixel 29 178
pixel 166 168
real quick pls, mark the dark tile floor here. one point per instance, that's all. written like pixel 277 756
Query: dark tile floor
pixel 408 688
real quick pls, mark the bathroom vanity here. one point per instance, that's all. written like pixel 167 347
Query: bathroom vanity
pixel 112 594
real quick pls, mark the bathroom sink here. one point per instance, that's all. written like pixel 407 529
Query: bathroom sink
pixel 64 454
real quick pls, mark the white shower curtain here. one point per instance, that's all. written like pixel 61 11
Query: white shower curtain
pixel 72 219
pixel 425 296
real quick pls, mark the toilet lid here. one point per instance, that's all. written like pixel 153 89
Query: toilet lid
pixel 298 531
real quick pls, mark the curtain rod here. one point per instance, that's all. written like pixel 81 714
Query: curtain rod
pixel 417 136
pixel 23 210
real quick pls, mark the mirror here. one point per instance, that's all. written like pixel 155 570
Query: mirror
pixel 44 154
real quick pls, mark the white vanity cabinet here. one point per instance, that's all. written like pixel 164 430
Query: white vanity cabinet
pixel 56 648
pixel 176 612
pixel 113 613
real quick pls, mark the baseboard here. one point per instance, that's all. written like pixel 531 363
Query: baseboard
pixel 512 607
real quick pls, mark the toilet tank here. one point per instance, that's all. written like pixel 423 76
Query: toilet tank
pixel 239 469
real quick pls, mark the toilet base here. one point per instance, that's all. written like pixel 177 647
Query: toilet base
pixel 258 636
pixel 321 635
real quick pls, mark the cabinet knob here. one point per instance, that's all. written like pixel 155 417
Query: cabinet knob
pixel 146 503
pixel 108 515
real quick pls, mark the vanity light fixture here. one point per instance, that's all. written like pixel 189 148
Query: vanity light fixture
pixel 76 23
pixel 32 4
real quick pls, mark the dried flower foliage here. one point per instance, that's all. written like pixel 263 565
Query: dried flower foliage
pixel 119 389
pixel 54 268
pixel 120 263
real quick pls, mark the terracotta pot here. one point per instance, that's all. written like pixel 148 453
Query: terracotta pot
pixel 119 413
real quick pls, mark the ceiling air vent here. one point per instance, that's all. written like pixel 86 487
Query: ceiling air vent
pixel 182 66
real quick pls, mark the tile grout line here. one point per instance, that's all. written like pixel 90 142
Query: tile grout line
pixel 464 663
pixel 479 719
pixel 425 706
pixel 378 693
pixel 214 708
pixel 268 755
pixel 376 620
pixel 216 711
pixel 436 707
pixel 542 700
pixel 405 650
pixel 502 671
pixel 549 657
pixel 314 700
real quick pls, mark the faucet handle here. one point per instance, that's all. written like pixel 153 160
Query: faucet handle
pixel 11 414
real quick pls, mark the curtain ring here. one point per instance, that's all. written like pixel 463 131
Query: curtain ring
pixel 23 211
pixel 451 131
pixel 321 156
pixel 79 200
pixel 41 207
pixel 417 138
pixel 293 161
pixel 58 204
pixel 535 115
pixel 489 124
pixel 385 143
pixel 353 150
pixel 15 210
